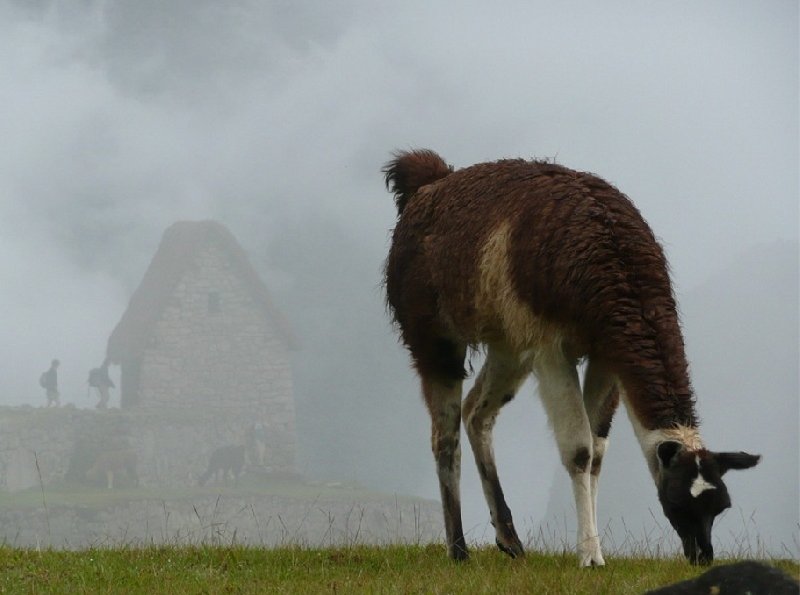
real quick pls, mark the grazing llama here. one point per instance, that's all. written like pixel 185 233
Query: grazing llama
pixel 543 266
pixel 225 461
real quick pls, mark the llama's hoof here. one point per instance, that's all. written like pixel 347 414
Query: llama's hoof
pixel 592 562
pixel 458 552
pixel 590 555
pixel 514 549
pixel 507 540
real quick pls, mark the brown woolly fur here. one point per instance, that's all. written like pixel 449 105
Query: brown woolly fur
pixel 534 254
pixel 411 170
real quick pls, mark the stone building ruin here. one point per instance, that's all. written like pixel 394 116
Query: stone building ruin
pixel 204 358
pixel 201 330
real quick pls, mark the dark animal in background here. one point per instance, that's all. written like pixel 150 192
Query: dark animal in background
pixel 544 266
pixel 113 464
pixel 224 462
pixel 742 578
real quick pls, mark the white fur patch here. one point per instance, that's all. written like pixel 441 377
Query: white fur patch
pixel 700 485
pixel 599 446
pixel 500 313
pixel 650 439
pixel 689 437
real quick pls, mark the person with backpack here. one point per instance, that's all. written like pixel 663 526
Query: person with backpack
pixel 49 382
pixel 102 383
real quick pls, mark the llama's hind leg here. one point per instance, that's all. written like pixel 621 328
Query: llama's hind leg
pixel 443 398
pixel 561 396
pixel 498 381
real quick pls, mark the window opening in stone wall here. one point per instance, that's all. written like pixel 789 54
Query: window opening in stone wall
pixel 214 305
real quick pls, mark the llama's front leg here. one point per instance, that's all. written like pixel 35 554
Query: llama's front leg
pixel 495 386
pixel 561 395
pixel 444 404
pixel 601 399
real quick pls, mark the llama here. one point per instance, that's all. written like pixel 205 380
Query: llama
pixel 544 267
pixel 224 461
pixel 121 462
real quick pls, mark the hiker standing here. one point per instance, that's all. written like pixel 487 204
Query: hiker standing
pixel 101 381
pixel 49 382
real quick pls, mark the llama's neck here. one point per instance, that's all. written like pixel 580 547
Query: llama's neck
pixel 649 439
pixel 661 409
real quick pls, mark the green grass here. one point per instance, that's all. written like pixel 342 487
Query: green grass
pixel 362 569
pixel 100 497
pixel 293 569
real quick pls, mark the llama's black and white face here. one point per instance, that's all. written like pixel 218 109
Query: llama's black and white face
pixel 692 493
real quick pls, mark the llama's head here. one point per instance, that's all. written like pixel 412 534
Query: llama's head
pixel 692 492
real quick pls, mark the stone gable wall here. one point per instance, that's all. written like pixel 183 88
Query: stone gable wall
pixel 231 358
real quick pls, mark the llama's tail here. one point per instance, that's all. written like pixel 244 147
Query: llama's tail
pixel 411 170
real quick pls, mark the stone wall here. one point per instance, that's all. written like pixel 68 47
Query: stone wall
pixel 172 445
pixel 36 444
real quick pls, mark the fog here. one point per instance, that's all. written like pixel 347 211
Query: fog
pixel 274 118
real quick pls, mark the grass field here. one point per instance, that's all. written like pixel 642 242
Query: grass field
pixel 99 496
pixel 362 569
pixel 312 568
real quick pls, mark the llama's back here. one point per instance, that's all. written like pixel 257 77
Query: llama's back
pixel 527 252
pixel 498 239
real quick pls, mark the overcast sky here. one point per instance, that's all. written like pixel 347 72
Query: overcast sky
pixel 118 118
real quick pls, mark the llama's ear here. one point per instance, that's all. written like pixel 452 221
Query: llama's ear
pixel 666 452
pixel 735 460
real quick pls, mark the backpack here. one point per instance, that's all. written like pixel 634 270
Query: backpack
pixel 95 377
pixel 43 380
